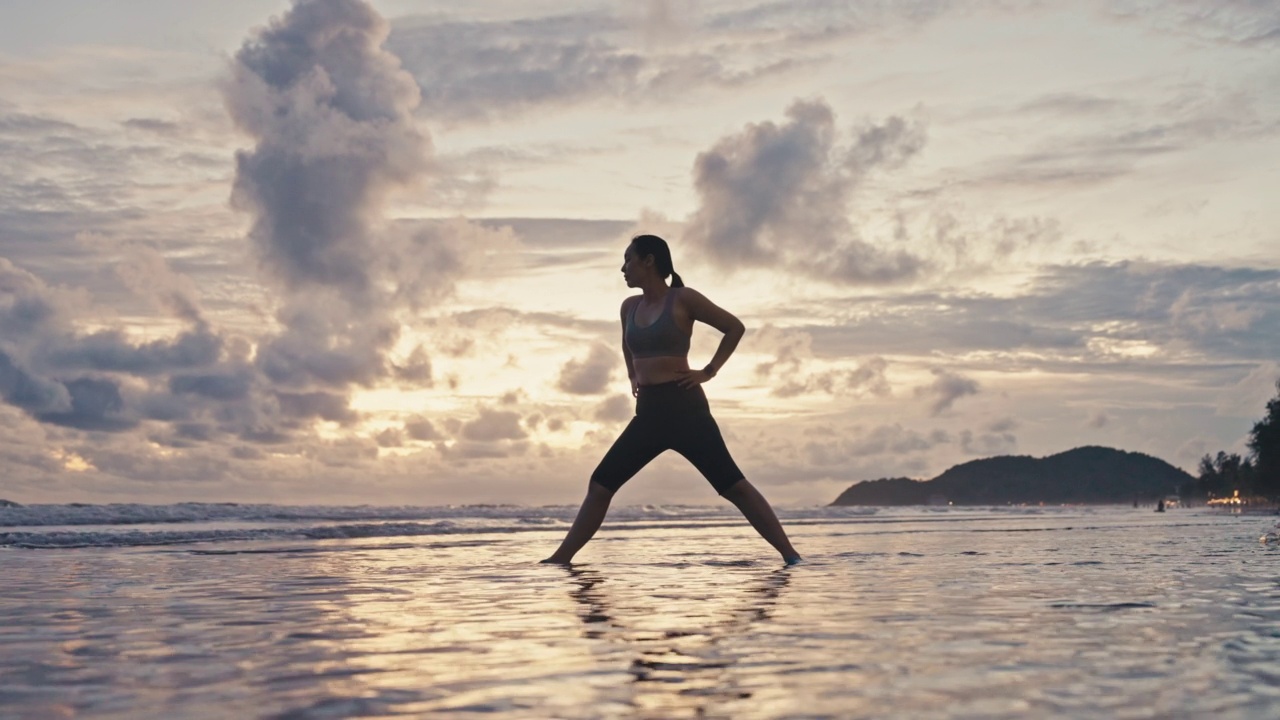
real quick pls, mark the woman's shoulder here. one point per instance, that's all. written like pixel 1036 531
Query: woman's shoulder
pixel 686 293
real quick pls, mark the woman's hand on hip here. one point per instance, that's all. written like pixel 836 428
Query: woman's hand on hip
pixel 691 378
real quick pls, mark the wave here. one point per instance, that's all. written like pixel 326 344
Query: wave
pixel 85 525
pixel 192 512
pixel 195 512
pixel 139 538
pixel 79 525
pixel 126 525
pixel 69 539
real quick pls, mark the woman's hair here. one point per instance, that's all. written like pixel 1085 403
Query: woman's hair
pixel 657 247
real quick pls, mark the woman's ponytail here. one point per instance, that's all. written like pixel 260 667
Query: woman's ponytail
pixel 675 279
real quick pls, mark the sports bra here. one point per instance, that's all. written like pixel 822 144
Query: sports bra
pixel 662 338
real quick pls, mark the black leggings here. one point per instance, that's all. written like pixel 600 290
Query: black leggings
pixel 669 417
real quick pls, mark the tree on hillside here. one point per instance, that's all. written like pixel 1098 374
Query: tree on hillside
pixel 1223 476
pixel 1264 442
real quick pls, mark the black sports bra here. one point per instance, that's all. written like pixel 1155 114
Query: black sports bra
pixel 662 338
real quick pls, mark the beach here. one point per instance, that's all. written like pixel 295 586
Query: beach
pixel 204 611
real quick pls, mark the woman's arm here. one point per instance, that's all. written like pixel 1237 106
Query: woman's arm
pixel 626 351
pixel 701 309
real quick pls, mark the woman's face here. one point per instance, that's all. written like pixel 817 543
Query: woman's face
pixel 633 267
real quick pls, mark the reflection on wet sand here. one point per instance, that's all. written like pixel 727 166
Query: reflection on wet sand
pixel 680 639
pixel 1084 617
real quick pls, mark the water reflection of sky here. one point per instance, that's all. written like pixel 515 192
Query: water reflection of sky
pixel 1104 614
pixel 680 641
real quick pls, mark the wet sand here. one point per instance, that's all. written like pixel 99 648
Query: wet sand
pixel 1074 613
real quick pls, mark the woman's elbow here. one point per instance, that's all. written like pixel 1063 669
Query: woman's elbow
pixel 737 328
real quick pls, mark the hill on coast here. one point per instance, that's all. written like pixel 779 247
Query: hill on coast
pixel 1083 475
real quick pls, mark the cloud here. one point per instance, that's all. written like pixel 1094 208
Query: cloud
pixel 777 196
pixel 493 425
pixel 389 438
pixel 947 387
pixel 987 443
pixel 615 408
pixel 1079 316
pixel 423 429
pixel 424 258
pixel 416 368
pixel 64 378
pixel 155 125
pixel 962 247
pixel 1115 144
pixel 331 114
pixel 1071 103
pixel 897 440
pixel 1248 397
pixel 96 404
pixel 791 373
pixel 664 21
pixel 589 375
pixel 1241 22
pixel 18 123
pixel 322 405
pixel 491 435
pixel 146 272
pixel 31 392
pixel 996 438
pixel 812 20
pixel 496 70
pixel 480 69
pixel 892 439
pixel 111 351
pixel 69 175
pixel 216 386
pixel 865 379
pixel 1003 425
pixel 28 306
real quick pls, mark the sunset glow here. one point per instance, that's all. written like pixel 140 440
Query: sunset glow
pixel 393 275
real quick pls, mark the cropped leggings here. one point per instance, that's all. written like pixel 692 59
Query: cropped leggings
pixel 669 417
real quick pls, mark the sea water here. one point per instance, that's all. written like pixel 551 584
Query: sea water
pixel 246 611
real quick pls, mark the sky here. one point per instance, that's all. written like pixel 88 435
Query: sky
pixel 338 251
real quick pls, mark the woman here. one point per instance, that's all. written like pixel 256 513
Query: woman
pixel 671 409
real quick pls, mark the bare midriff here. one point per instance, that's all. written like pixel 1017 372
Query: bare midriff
pixel 658 370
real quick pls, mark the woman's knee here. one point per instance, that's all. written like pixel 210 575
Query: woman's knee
pixel 736 491
pixel 597 489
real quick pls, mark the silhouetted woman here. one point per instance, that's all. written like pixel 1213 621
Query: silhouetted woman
pixel 671 409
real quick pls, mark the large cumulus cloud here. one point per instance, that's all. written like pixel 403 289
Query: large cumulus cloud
pixel 330 113
pixel 777 196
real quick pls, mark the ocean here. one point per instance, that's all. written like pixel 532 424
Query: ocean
pixel 270 611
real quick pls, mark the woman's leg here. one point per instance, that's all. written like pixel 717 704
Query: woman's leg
pixel 635 447
pixel 590 515
pixel 761 516
pixel 701 442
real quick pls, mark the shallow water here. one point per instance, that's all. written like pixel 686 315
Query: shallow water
pixel 1107 612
